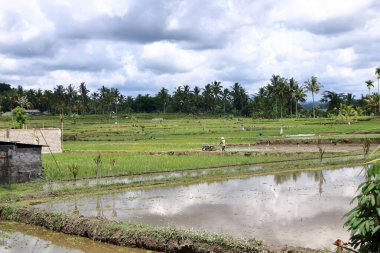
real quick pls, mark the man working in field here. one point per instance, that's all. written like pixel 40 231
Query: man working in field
pixel 222 143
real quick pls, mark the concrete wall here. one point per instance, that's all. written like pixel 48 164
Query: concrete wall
pixel 24 164
pixel 35 136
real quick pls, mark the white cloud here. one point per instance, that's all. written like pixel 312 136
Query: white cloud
pixel 141 46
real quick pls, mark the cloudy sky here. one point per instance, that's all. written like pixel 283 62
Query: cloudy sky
pixel 140 46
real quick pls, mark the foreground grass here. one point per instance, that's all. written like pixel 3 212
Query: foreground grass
pixel 167 239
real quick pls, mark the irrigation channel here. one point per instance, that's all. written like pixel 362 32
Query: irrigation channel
pixel 298 208
pixel 17 237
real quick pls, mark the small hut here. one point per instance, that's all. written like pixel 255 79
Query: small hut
pixel 19 162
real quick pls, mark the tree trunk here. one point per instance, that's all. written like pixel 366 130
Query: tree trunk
pixel 378 94
pixel 313 104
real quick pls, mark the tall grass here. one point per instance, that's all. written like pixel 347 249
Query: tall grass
pixel 143 163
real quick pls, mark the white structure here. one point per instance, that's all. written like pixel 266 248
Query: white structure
pixel 49 137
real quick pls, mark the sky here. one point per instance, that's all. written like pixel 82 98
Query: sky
pixel 140 46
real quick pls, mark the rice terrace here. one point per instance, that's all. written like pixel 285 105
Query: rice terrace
pixel 146 183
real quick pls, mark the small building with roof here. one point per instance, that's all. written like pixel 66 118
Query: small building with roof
pixel 19 162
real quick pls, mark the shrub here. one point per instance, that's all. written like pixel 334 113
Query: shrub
pixel 6 117
pixel 364 219
pixel 20 117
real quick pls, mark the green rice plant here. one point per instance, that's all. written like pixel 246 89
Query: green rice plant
pixel 98 166
pixel 366 147
pixel 112 166
pixel 74 170
pixel 321 153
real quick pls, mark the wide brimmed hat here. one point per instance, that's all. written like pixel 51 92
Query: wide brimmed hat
pixel 222 138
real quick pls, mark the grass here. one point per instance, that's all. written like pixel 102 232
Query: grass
pixel 143 163
pixel 132 139
pixel 139 145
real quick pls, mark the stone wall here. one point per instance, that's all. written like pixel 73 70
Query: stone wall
pixel 24 164
pixel 50 137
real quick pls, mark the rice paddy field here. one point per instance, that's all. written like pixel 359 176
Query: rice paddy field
pixel 143 181
pixel 140 143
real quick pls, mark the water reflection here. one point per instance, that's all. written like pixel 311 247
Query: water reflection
pixel 303 209
pixel 317 176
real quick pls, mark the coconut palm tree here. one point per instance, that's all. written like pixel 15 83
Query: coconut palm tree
pixel 197 98
pixel 226 94
pixel 83 97
pixel 217 93
pixel 313 86
pixel 372 102
pixel 369 85
pixel 163 96
pixel 71 97
pixel 208 97
pixel 377 72
pixel 298 93
pixel 239 96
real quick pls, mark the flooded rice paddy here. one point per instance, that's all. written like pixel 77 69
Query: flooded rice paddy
pixel 123 180
pixel 300 209
pixel 16 238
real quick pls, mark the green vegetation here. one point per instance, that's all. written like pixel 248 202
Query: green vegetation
pixel 95 147
pixel 175 141
pixel 364 219
pixel 278 99
pixel 20 117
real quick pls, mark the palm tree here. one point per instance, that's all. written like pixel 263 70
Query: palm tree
pixel 187 95
pixel 163 97
pixel 239 96
pixel 216 90
pixel 178 99
pixel 59 99
pixel 83 97
pixel 95 100
pixel 297 93
pixel 197 98
pixel 282 91
pixel 71 95
pixel 293 84
pixel 369 85
pixel 226 93
pixel 208 97
pixel 377 72
pixel 278 89
pixel 313 86
pixel 334 101
pixel 373 102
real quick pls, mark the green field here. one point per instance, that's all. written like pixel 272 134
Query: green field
pixel 138 145
pixel 143 143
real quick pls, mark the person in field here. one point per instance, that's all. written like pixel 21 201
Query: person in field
pixel 222 143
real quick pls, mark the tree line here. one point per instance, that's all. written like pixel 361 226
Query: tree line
pixel 281 97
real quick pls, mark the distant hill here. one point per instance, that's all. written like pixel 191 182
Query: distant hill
pixel 309 105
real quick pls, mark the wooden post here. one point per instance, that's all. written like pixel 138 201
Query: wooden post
pixel 62 118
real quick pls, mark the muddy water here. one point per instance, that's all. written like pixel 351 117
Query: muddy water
pixel 16 237
pixel 300 209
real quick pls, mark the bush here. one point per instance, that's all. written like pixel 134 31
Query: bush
pixel 20 117
pixel 364 219
pixel 6 117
